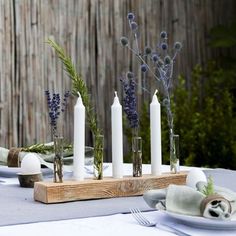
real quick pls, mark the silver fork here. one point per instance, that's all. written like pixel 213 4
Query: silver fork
pixel 142 220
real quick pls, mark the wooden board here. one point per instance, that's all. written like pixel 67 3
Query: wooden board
pixel 49 192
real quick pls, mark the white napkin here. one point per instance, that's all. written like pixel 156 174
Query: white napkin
pixel 3 156
pixel 188 201
pixel 175 198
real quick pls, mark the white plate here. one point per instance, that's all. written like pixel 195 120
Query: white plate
pixel 12 172
pixel 8 172
pixel 204 223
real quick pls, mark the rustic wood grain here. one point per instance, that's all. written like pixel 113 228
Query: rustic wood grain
pixel 89 30
pixel 49 192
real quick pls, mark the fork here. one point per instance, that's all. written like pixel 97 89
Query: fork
pixel 142 220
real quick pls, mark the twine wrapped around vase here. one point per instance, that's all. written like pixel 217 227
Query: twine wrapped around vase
pixel 216 206
pixel 13 159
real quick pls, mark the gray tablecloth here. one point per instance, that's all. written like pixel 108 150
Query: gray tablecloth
pixel 17 205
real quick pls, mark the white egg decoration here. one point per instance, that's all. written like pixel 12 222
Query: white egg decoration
pixel 195 175
pixel 30 164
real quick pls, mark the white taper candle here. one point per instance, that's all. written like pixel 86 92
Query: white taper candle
pixel 117 138
pixel 155 125
pixel 79 139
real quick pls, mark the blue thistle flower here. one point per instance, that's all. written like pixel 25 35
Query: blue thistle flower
pixel 163 35
pixel 130 16
pixel 167 60
pixel 154 57
pixel 144 67
pixel 164 46
pixel 133 26
pixel 124 41
pixel 177 46
pixel 166 102
pixel 147 50
pixel 160 62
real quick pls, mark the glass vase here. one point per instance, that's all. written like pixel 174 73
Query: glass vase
pixel 137 156
pixel 58 159
pixel 174 153
pixel 98 156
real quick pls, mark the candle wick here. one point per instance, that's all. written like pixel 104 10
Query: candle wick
pixel 79 94
pixel 156 91
pixel 115 93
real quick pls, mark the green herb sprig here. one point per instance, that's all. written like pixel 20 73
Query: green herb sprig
pixel 78 85
pixel 48 149
pixel 209 188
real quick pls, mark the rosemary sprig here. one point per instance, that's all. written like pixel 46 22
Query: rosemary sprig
pixel 48 149
pixel 39 148
pixel 78 86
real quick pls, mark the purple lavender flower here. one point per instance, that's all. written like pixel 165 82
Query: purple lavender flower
pixel 55 108
pixel 65 100
pixel 130 75
pixel 130 103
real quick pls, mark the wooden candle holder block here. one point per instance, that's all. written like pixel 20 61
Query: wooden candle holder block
pixel 49 192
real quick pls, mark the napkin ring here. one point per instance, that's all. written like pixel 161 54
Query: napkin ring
pixel 13 159
pixel 210 204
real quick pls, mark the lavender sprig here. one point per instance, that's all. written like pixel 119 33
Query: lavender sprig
pixel 130 104
pixel 65 101
pixel 55 108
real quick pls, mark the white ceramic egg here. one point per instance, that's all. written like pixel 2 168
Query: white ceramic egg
pixel 30 164
pixel 195 175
